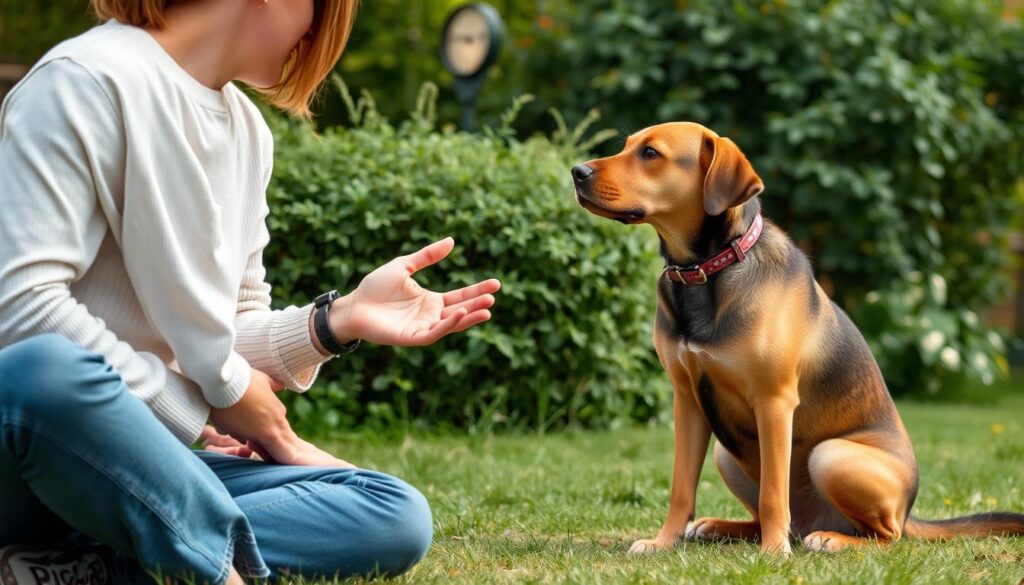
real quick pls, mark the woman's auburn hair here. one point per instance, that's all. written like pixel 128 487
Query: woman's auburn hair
pixel 310 63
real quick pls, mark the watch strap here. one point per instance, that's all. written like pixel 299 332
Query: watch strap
pixel 326 298
pixel 322 326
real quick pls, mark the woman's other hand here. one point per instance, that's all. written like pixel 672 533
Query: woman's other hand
pixel 257 424
pixel 214 441
pixel 390 308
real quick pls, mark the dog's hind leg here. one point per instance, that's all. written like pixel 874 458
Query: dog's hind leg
pixel 867 485
pixel 744 489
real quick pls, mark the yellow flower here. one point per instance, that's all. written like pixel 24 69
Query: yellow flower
pixel 947 501
pixel 997 429
pixel 992 502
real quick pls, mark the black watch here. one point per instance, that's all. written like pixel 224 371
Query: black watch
pixel 322 326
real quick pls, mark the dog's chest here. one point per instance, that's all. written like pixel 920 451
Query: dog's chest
pixel 692 315
pixel 687 315
pixel 722 395
pixel 706 349
pixel 703 353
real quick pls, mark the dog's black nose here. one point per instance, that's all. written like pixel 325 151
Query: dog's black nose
pixel 581 173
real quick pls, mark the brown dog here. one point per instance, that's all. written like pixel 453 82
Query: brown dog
pixel 808 436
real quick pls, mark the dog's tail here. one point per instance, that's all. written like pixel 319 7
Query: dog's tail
pixel 990 524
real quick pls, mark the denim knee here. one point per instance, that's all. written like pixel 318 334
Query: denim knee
pixel 412 528
pixel 39 374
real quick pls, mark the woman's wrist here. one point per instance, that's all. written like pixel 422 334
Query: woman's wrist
pixel 337 319
pixel 313 336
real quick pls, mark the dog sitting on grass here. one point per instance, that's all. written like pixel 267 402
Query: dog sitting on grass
pixel 808 437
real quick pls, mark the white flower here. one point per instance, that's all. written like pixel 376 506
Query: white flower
pixel 950 357
pixel 932 341
pixel 938 288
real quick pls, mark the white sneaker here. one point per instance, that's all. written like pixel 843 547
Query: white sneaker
pixel 55 565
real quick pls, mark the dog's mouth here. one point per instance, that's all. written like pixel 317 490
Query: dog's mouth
pixel 625 216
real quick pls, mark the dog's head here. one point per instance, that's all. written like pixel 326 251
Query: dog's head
pixel 678 170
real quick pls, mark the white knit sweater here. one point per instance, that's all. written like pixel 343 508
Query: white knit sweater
pixel 133 221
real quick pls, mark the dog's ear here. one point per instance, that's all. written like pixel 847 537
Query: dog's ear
pixel 729 180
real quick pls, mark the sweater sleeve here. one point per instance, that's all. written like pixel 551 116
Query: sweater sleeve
pixel 59 144
pixel 276 342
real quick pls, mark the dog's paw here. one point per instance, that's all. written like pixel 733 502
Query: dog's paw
pixel 710 529
pixel 778 548
pixel 646 547
pixel 701 529
pixel 822 541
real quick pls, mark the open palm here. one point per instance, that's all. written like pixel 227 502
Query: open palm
pixel 390 308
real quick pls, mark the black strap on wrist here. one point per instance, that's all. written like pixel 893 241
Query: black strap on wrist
pixel 323 328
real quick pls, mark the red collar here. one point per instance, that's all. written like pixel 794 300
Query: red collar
pixel 736 252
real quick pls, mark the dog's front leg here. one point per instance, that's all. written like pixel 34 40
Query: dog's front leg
pixel 692 435
pixel 774 414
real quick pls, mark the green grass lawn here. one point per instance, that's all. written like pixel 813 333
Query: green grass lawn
pixel 565 507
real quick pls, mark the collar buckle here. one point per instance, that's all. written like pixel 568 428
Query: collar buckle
pixel 735 252
pixel 701 274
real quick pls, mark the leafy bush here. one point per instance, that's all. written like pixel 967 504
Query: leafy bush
pixel 569 342
pixel 889 135
pixel 29 28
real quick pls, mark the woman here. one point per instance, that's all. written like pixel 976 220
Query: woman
pixel 133 306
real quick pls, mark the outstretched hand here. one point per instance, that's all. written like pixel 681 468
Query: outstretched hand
pixel 390 308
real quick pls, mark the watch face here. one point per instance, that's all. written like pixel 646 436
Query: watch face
pixel 466 41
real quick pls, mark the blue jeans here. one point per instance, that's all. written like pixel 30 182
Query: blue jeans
pixel 80 455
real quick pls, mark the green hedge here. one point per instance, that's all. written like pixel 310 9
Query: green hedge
pixel 889 135
pixel 570 340
pixel 29 28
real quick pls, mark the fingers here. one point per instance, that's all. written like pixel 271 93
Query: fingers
pixel 471 319
pixel 459 320
pixel 475 304
pixel 239 451
pixel 438 330
pixel 208 432
pixel 260 451
pixel 218 443
pixel 300 452
pixel 431 254
pixel 489 286
pixel 445 326
pixel 318 456
pixel 210 436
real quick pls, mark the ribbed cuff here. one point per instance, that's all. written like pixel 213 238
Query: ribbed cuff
pixel 181 407
pixel 279 344
pixel 238 383
pixel 293 347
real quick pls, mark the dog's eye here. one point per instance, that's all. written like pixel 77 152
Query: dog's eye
pixel 648 153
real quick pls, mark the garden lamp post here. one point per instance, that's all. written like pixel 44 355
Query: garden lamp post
pixel 469 46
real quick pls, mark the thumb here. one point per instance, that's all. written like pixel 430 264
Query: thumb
pixel 429 255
